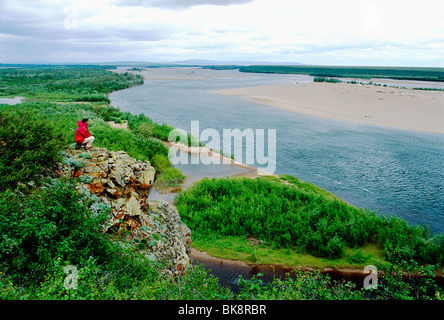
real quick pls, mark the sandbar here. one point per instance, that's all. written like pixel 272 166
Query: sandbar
pixel 421 110
pixel 219 158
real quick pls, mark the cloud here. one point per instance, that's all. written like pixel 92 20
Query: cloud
pixel 343 31
pixel 177 4
pixel 50 23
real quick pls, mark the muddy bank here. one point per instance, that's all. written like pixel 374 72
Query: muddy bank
pixel 228 271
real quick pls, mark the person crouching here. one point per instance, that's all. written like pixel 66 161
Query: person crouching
pixel 82 136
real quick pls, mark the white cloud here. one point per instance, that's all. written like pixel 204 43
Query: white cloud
pixel 323 32
pixel 176 4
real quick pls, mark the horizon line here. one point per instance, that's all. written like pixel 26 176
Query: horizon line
pixel 195 62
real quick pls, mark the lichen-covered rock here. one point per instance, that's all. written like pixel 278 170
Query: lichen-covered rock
pixel 120 183
pixel 163 236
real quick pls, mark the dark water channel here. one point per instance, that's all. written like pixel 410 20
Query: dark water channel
pixel 228 272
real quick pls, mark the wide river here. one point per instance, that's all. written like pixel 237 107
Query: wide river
pixel 391 171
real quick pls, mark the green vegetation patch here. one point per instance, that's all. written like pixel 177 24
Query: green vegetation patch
pixel 169 177
pixel 400 73
pixel 58 97
pixel 258 252
pixel 297 215
pixel 67 83
pixel 27 145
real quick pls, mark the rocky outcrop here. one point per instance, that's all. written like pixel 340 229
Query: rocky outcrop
pixel 120 184
pixel 164 236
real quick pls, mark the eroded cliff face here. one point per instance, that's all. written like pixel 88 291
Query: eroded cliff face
pixel 120 184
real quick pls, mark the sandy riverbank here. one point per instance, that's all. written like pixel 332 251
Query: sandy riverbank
pixel 205 154
pixel 387 106
pixel 218 158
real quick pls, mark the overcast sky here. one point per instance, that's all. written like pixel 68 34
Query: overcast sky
pixel 339 32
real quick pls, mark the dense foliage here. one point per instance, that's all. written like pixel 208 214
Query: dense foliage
pixel 425 74
pixel 330 80
pixel 392 284
pixel 297 214
pixel 170 177
pixel 71 83
pixel 54 227
pixel 58 97
pixel 50 223
pixel 27 144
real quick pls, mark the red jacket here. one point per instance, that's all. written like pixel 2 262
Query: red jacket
pixel 82 132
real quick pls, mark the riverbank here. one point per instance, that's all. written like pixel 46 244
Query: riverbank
pixel 218 158
pixel 250 253
pixel 221 166
pixel 420 110
pixel 205 257
pixel 241 174
pixel 228 271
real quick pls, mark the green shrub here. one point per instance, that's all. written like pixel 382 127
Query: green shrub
pixel 169 177
pixel 300 215
pixel 53 222
pixel 93 98
pixel 160 162
pixel 85 155
pixel 162 131
pixel 334 248
pixel 358 257
pixel 146 129
pixel 330 80
pixel 28 144
pixel 75 163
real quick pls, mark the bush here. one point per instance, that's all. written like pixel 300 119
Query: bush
pixel 300 215
pixel 169 177
pixel 53 222
pixel 145 127
pixel 93 98
pixel 358 257
pixel 160 162
pixel 334 248
pixel 330 80
pixel 27 145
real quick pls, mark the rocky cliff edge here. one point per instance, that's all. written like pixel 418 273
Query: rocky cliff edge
pixel 120 184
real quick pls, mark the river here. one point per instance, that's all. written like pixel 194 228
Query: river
pixel 391 171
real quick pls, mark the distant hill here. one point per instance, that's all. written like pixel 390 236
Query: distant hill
pixel 234 62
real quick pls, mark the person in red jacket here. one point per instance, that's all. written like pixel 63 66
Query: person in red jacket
pixel 82 136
